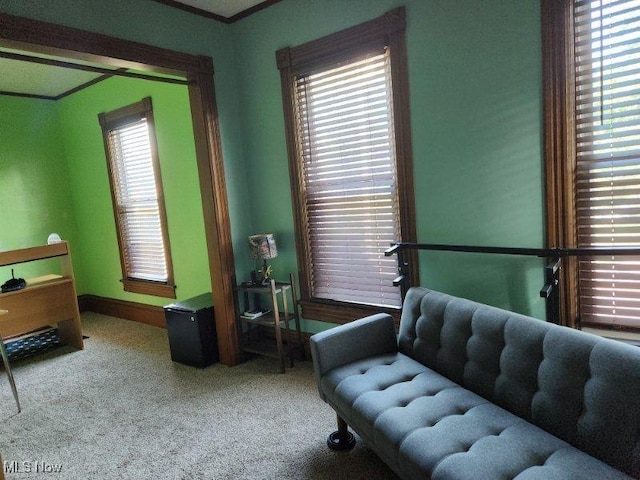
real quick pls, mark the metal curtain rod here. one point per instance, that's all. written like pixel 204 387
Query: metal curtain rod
pixel 550 291
pixel 535 252
pixel 532 252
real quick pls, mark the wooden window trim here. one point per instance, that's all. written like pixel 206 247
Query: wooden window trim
pixel 42 37
pixel 147 287
pixel 387 30
pixel 559 145
pixel 343 312
pixel 109 121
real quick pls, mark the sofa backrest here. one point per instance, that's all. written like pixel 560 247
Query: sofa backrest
pixel 581 388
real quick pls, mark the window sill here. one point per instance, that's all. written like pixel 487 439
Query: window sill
pixel 146 287
pixel 342 312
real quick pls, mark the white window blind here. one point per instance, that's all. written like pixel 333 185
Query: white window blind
pixel 136 202
pixel 345 124
pixel 607 69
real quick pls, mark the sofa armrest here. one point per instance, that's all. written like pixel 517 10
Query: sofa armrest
pixel 367 337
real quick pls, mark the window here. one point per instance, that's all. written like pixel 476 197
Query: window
pixel 601 161
pixel 346 112
pixel 138 203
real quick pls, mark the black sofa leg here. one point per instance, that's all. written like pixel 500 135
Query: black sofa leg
pixel 341 439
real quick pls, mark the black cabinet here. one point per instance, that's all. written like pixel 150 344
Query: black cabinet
pixel 192 331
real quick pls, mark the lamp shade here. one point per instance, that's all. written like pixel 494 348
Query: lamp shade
pixel 262 246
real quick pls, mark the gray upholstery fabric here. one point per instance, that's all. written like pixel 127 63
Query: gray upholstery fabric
pixel 427 426
pixel 472 391
pixel 579 387
pixel 362 338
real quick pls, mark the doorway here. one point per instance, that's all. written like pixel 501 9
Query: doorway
pixel 126 58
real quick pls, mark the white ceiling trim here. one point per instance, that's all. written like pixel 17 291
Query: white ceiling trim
pixel 224 8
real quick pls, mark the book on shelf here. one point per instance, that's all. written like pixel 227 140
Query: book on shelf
pixel 251 314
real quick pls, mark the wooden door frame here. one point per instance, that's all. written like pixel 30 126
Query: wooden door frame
pixel 47 38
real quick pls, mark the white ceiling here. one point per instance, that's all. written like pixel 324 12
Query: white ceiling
pixel 19 75
pixel 225 8
pixel 24 77
pixel 37 79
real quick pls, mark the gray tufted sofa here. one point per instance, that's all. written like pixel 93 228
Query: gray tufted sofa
pixel 468 391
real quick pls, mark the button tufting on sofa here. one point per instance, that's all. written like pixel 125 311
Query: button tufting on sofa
pixel 470 391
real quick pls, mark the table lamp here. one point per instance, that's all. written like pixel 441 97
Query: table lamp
pixel 262 246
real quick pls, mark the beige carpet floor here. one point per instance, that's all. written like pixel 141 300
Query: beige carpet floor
pixel 121 409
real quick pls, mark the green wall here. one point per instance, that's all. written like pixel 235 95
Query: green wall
pixel 475 80
pixel 34 184
pixel 53 172
pixel 96 251
pixel 155 24
pixel 476 112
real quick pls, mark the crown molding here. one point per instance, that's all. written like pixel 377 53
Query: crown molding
pixel 215 16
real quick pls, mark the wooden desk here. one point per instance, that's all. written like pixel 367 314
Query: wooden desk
pixel 46 300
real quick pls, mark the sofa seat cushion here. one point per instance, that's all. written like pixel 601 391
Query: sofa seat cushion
pixel 422 423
